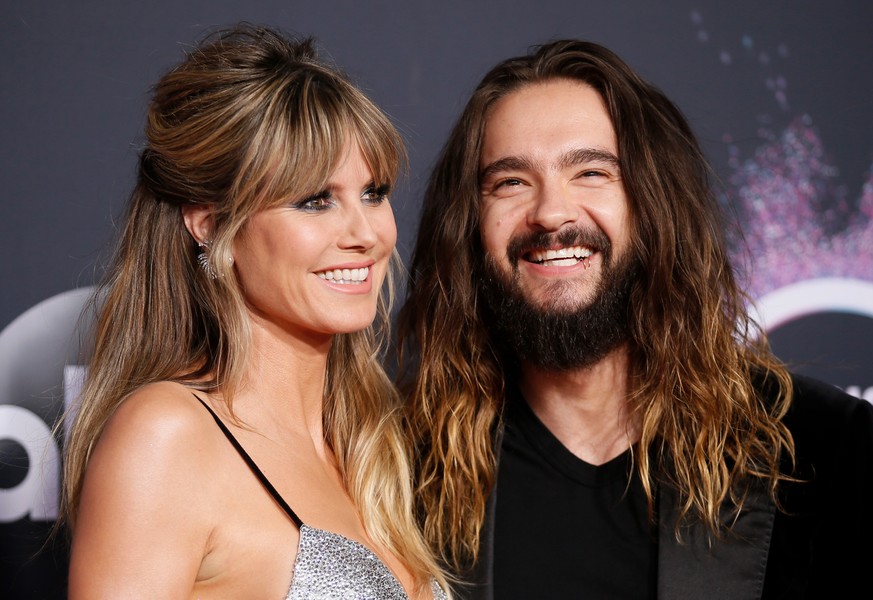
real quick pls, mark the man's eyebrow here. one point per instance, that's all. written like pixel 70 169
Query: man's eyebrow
pixel 585 155
pixel 507 163
pixel 567 160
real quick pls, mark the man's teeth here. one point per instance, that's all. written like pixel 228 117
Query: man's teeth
pixel 562 257
pixel 346 276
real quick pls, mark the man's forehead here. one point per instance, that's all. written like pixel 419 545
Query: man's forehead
pixel 545 118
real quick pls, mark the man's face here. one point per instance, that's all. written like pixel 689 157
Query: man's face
pixel 553 208
pixel 554 224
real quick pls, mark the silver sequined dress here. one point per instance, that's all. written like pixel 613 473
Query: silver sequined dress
pixel 330 566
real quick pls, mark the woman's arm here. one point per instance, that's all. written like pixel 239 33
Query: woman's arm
pixel 144 522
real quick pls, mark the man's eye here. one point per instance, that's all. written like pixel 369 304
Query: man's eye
pixel 507 186
pixel 594 177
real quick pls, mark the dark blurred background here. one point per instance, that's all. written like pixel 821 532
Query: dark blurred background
pixel 780 94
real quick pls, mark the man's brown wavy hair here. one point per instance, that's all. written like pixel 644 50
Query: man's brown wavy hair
pixel 695 353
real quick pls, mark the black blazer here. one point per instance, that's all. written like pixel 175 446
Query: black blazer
pixel 822 545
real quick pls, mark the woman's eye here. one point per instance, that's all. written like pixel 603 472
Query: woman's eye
pixel 314 203
pixel 508 182
pixel 375 195
pixel 317 203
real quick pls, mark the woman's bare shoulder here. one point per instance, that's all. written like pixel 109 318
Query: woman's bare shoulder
pixel 149 480
pixel 159 425
pixel 169 402
pixel 163 415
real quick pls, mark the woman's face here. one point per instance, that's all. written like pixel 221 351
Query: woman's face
pixel 315 265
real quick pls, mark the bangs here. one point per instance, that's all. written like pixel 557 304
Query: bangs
pixel 304 135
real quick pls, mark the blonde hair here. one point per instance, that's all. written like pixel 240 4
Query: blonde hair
pixel 248 119
pixel 697 358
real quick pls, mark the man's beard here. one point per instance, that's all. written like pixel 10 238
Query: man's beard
pixel 551 337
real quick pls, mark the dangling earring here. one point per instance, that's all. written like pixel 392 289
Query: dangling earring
pixel 203 259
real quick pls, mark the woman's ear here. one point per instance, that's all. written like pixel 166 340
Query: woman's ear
pixel 198 220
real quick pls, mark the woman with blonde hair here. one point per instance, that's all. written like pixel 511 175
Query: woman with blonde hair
pixel 236 371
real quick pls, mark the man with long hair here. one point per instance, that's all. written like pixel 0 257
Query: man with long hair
pixel 597 414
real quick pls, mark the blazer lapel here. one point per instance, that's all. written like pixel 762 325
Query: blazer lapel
pixel 730 568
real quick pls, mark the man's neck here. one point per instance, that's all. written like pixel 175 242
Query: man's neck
pixel 586 409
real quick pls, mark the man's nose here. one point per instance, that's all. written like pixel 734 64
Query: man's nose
pixel 554 208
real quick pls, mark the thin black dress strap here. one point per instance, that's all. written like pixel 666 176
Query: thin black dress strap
pixel 258 473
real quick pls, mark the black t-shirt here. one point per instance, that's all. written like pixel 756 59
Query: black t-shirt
pixel 565 528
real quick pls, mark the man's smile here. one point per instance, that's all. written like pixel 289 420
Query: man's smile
pixel 559 257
